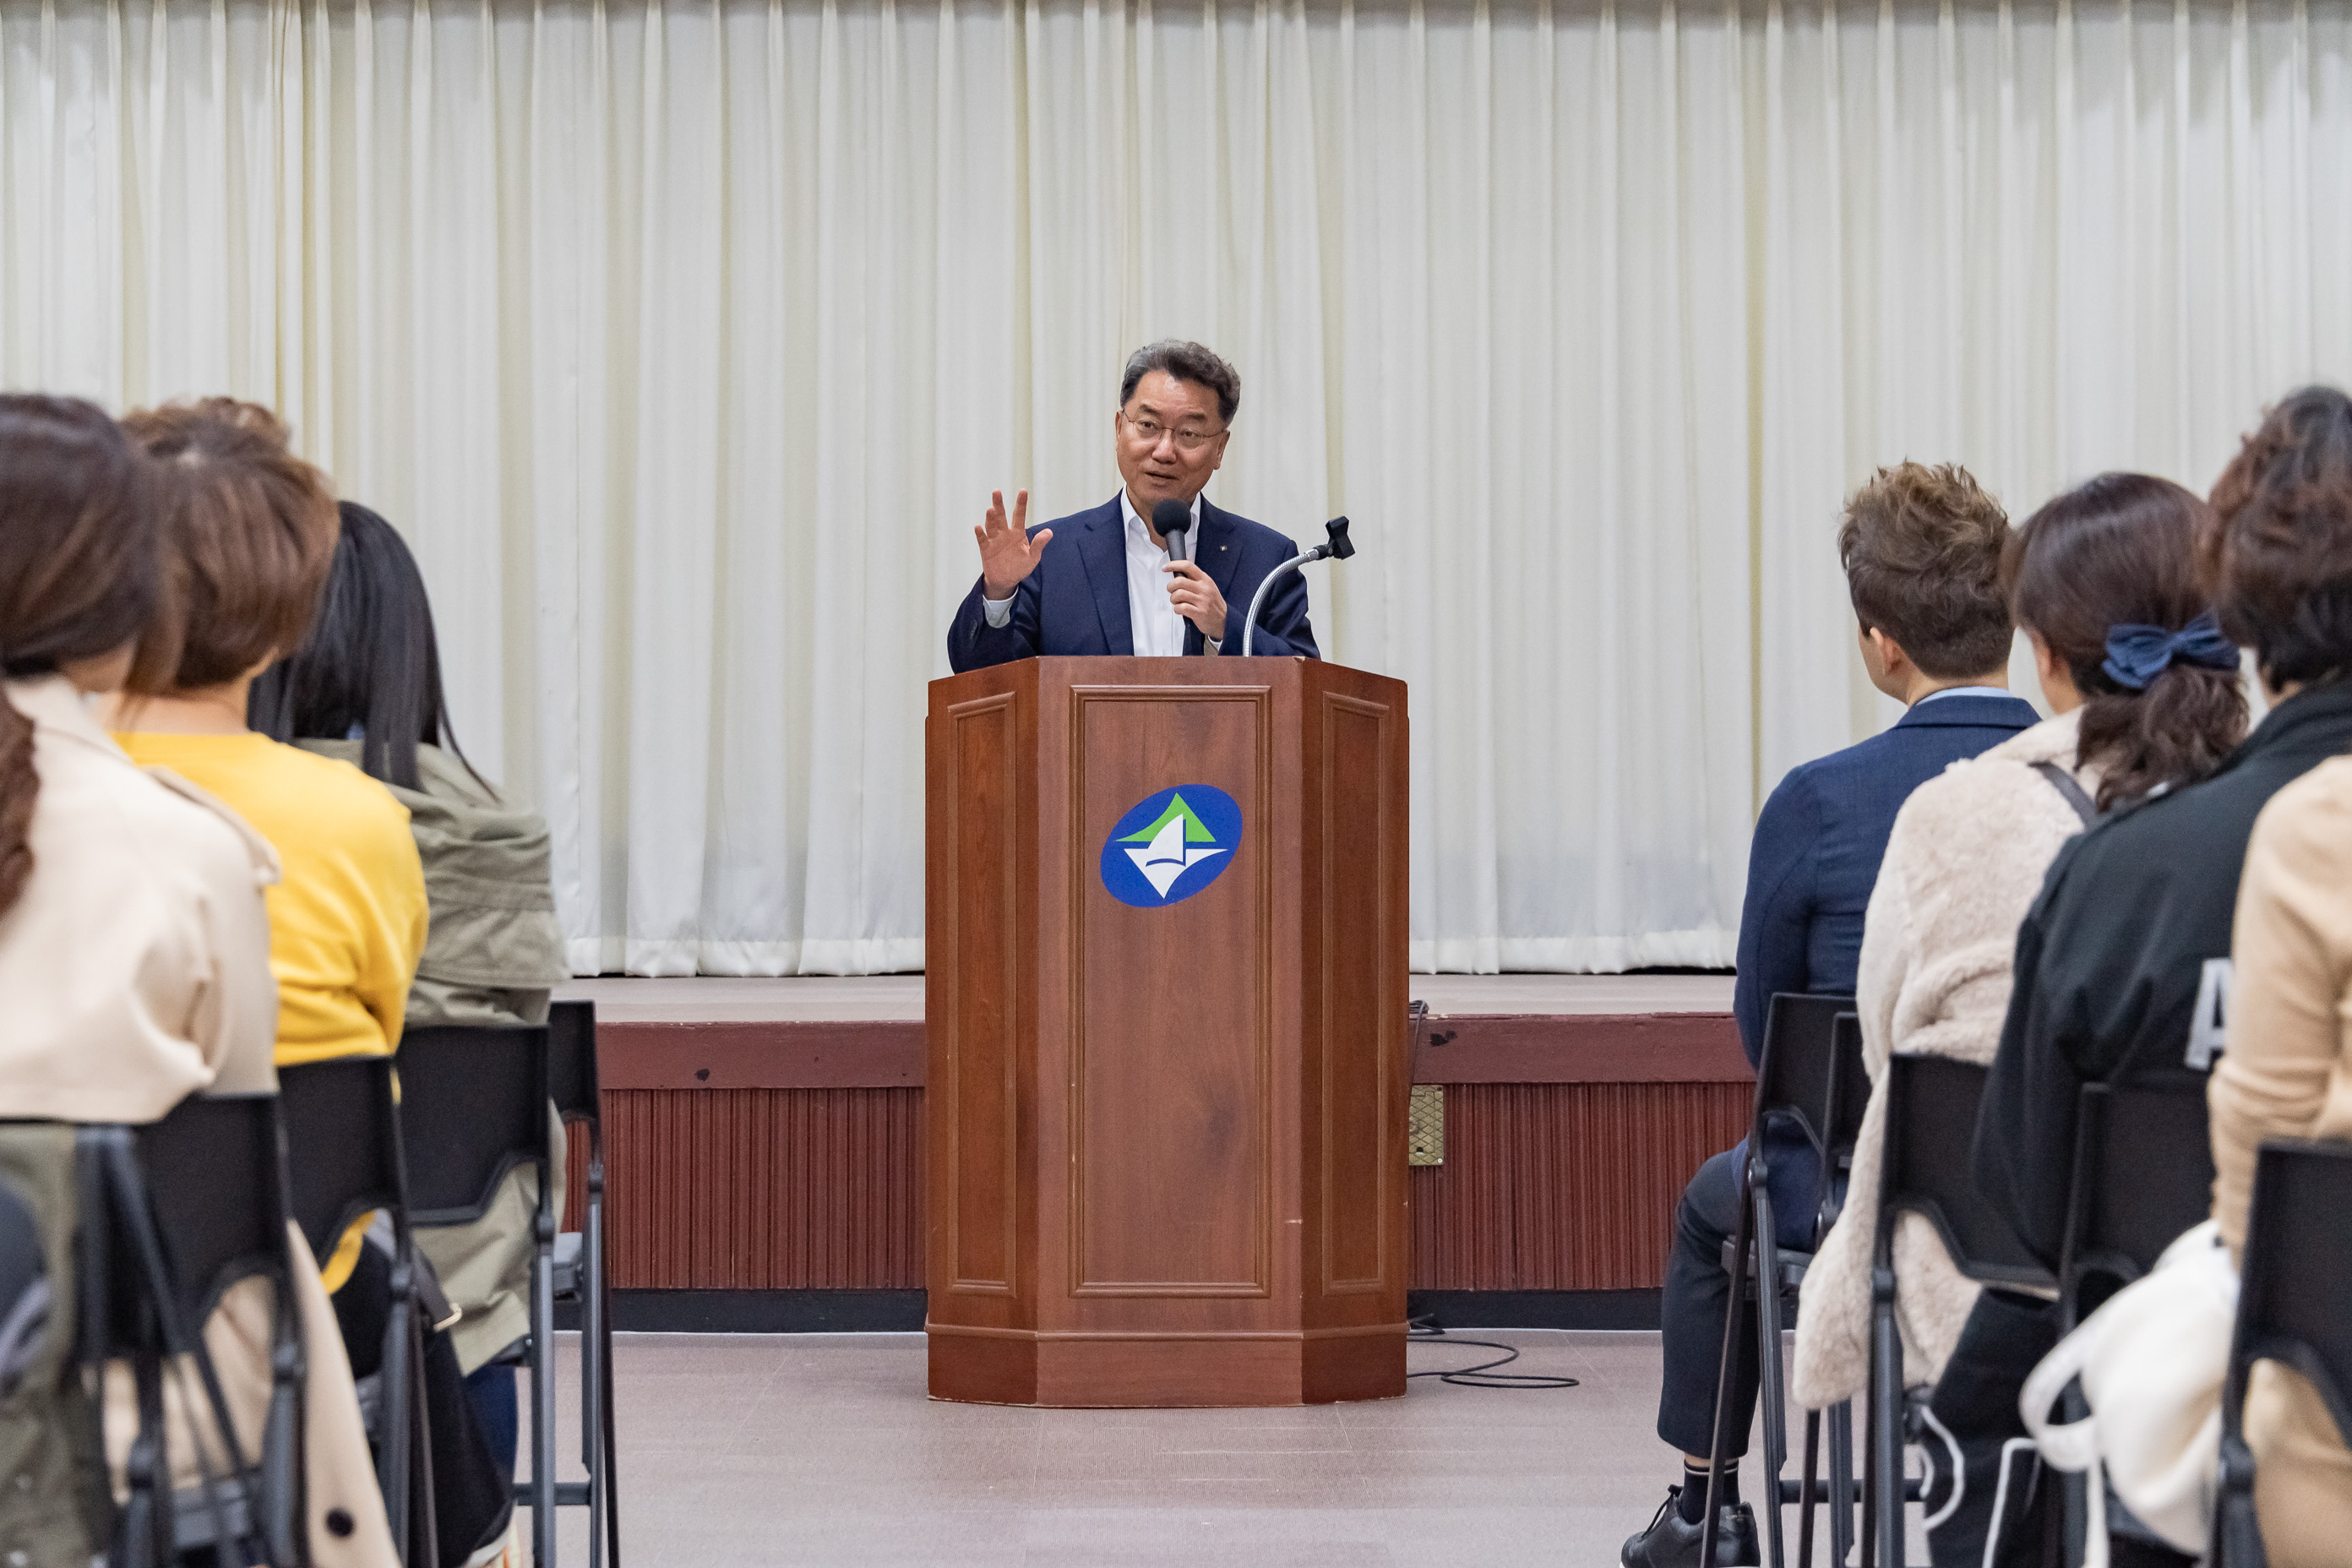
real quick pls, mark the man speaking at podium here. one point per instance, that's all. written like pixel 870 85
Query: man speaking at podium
pixel 1125 578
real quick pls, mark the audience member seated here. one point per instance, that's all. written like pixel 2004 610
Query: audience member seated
pixel 2133 925
pixel 366 689
pixel 135 946
pixel 1964 864
pixel 250 529
pixel 1922 551
pixel 2288 1073
pixel 249 536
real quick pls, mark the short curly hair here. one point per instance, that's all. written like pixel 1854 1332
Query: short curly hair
pixel 249 532
pixel 2276 555
pixel 1921 546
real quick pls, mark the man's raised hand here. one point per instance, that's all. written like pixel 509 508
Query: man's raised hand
pixel 1007 553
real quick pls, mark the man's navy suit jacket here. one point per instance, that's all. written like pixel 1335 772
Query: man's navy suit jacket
pixel 1076 601
pixel 1810 868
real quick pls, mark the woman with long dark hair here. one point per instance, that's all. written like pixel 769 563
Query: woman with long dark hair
pixel 2144 686
pixel 365 686
pixel 134 948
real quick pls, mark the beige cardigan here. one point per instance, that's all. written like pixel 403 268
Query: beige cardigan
pixel 1963 866
pixel 2287 1073
pixel 136 969
pixel 136 963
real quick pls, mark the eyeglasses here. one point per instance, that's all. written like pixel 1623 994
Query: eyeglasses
pixel 1149 431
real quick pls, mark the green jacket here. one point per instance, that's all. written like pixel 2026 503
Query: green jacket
pixel 494 947
pixel 491 955
pixel 53 1500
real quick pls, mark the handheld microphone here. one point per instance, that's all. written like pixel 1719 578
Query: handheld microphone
pixel 1171 521
pixel 1335 547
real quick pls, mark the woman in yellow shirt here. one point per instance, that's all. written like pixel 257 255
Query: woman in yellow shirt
pixel 249 532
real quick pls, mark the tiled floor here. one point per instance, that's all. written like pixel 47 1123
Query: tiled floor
pixel 824 1449
pixel 711 999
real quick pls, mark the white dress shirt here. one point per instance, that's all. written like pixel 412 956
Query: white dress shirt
pixel 1157 629
pixel 1151 618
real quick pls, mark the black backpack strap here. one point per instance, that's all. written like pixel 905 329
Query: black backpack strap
pixel 2076 795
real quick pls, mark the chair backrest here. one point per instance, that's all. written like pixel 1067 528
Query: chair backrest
pixel 343 1145
pixel 2296 1278
pixel 1849 1088
pixel 1798 1061
pixel 2143 1174
pixel 194 1204
pixel 472 1107
pixel 1931 1123
pixel 215 1184
pixel 572 1060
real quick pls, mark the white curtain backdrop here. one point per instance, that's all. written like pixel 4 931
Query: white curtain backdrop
pixel 686 340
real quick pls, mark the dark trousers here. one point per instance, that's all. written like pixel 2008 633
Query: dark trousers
pixel 1691 1306
pixel 472 1496
pixel 1975 1401
pixel 491 1390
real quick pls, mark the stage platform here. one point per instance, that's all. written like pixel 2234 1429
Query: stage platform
pixel 899 998
pixel 764 1144
pixel 866 1032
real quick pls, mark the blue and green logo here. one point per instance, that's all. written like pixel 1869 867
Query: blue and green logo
pixel 1172 846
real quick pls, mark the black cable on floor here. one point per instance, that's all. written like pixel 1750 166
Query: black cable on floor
pixel 1483 1375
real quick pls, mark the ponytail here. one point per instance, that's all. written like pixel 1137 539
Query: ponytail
pixel 20 785
pixel 2173 733
pixel 2105 577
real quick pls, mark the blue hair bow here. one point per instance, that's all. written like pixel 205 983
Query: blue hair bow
pixel 2137 654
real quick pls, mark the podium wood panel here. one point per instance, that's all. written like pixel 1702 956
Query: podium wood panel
pixel 1166 1141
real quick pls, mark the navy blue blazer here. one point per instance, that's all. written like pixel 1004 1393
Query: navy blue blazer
pixel 1813 862
pixel 1076 601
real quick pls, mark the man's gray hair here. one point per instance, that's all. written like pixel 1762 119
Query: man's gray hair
pixel 1185 361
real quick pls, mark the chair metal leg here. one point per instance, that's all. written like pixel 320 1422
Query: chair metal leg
pixel 542 1401
pixel 595 1374
pixel 1807 1492
pixel 2074 1499
pixel 1743 1253
pixel 425 1532
pixel 1886 1424
pixel 604 1358
pixel 396 1442
pixel 1869 1537
pixel 1771 1395
pixel 1842 1484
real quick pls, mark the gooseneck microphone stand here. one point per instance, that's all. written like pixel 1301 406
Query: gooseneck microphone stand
pixel 1336 547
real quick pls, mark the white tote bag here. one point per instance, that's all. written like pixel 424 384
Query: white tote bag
pixel 2152 1361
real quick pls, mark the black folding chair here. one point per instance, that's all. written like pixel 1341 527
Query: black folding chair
pixel 1793 1086
pixel 1849 1097
pixel 2293 1285
pixel 476 1106
pixel 172 1215
pixel 1931 1122
pixel 345 1162
pixel 2143 1173
pixel 582 1274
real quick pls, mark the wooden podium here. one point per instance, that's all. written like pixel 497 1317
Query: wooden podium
pixel 1165 1000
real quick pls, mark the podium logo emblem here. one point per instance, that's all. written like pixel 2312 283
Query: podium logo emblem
pixel 1172 846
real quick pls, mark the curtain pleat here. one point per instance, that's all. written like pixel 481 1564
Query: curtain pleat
pixel 685 339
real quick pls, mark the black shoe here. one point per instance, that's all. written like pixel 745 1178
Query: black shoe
pixel 1672 1543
